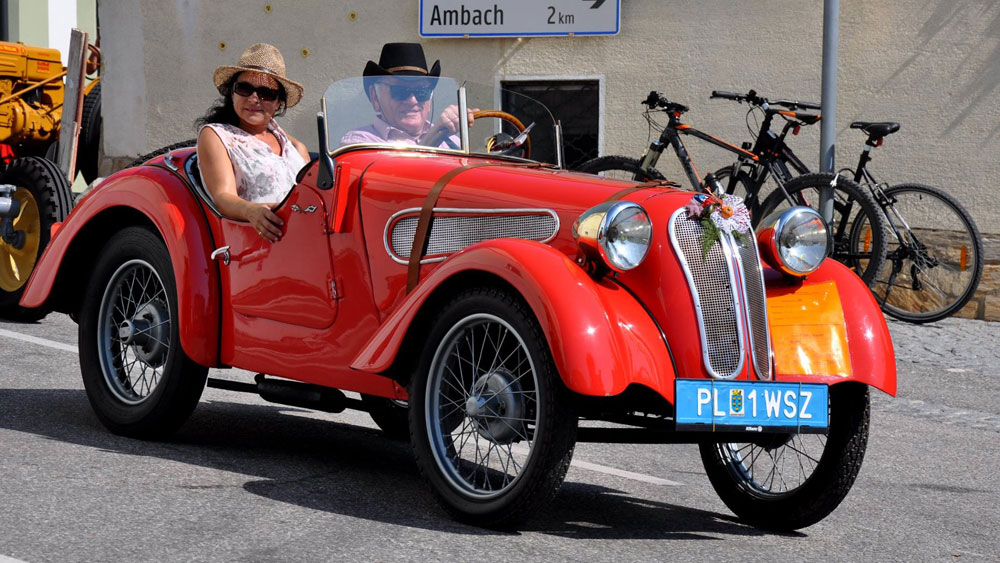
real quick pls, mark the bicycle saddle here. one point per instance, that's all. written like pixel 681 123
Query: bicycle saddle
pixel 876 129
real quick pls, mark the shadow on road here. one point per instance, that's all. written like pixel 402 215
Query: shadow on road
pixel 343 469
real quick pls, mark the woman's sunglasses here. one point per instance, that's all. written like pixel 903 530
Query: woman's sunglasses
pixel 264 93
pixel 400 92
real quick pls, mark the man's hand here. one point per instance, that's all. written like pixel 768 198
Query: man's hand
pixel 448 120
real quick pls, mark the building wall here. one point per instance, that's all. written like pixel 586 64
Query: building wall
pixel 933 65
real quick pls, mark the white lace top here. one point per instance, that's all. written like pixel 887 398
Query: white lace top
pixel 261 175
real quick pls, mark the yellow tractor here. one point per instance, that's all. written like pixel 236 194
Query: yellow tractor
pixel 34 193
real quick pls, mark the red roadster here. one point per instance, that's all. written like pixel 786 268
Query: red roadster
pixel 483 304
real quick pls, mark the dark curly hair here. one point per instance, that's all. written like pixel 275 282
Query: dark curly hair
pixel 222 111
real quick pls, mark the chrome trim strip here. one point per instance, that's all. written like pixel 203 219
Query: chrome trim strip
pixel 741 342
pixel 472 212
pixel 746 307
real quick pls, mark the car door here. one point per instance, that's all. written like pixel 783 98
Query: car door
pixel 273 291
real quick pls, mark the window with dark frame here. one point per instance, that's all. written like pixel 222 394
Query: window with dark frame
pixel 576 103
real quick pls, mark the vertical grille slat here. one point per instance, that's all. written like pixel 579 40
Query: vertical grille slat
pixel 721 298
pixel 756 306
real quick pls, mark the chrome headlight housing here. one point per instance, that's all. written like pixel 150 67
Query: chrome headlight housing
pixel 618 233
pixel 795 241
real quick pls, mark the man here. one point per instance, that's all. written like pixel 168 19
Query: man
pixel 400 88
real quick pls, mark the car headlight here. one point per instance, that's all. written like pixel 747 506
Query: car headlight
pixel 795 241
pixel 617 233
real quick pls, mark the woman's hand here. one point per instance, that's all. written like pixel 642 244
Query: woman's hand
pixel 264 221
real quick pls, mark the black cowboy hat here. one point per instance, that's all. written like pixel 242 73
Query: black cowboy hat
pixel 401 59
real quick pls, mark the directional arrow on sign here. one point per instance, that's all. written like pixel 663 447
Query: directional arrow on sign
pixel 597 3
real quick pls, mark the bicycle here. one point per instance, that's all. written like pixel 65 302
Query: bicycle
pixel 853 206
pixel 934 258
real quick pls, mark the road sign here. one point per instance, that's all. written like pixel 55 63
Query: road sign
pixel 518 18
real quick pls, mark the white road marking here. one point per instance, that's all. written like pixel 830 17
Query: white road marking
pixel 5 559
pixel 40 342
pixel 610 470
pixel 622 473
pixel 575 463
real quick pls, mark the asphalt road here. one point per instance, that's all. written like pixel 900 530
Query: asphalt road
pixel 245 480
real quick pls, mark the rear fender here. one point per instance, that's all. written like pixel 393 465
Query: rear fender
pixel 155 196
pixel 600 336
pixel 869 344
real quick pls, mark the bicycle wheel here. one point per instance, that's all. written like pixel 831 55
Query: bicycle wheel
pixel 741 186
pixel 858 225
pixel 934 263
pixel 619 167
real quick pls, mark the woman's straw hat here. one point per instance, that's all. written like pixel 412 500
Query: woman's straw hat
pixel 263 58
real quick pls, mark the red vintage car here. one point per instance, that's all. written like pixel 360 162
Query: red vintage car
pixel 484 304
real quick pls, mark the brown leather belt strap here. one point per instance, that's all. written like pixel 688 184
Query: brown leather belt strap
pixel 427 215
pixel 424 223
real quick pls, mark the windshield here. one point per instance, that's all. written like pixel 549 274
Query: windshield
pixel 423 111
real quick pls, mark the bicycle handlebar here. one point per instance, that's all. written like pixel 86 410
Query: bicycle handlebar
pixel 656 100
pixel 751 97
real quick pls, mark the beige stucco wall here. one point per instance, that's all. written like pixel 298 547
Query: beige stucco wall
pixel 933 65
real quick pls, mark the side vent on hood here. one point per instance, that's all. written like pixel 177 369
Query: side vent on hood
pixel 453 229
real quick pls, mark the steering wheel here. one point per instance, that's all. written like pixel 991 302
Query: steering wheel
pixel 495 143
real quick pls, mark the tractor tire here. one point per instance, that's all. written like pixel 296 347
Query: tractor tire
pixel 87 150
pixel 45 198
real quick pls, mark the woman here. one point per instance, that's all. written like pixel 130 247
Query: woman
pixel 247 162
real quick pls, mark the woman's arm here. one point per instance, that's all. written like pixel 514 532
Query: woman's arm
pixel 299 146
pixel 220 181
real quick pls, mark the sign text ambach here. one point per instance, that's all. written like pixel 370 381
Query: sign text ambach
pixel 518 18
pixel 465 16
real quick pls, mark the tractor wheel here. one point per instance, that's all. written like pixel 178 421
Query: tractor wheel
pixel 44 198
pixel 90 135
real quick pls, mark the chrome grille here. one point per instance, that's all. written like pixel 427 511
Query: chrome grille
pixel 454 229
pixel 710 276
pixel 753 286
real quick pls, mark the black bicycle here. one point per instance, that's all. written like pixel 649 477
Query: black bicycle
pixel 933 260
pixel 856 214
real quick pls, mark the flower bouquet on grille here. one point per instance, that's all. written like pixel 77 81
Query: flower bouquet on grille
pixel 717 215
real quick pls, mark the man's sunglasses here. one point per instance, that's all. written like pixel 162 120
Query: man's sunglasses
pixel 401 92
pixel 264 93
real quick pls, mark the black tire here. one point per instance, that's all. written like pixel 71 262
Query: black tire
pixel 45 198
pixel 138 379
pixel 779 501
pixel 520 415
pixel 858 227
pixel 90 135
pixel 937 271
pixel 390 416
pixel 619 167
pixel 163 150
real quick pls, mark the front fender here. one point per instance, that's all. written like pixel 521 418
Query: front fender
pixel 809 345
pixel 167 204
pixel 601 337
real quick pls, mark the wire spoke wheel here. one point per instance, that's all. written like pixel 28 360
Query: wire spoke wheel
pixel 774 467
pixel 934 264
pixel 790 481
pixel 138 378
pixel 483 406
pixel 491 423
pixel 135 332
